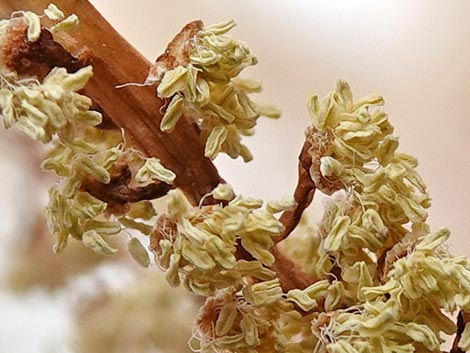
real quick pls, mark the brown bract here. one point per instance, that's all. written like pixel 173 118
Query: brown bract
pixel 208 315
pixel 316 138
pixel 37 58
pixel 176 53
pixel 164 228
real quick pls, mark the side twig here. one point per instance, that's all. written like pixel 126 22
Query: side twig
pixel 303 194
pixel 462 319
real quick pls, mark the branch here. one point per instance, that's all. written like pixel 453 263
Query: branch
pixel 117 193
pixel 290 274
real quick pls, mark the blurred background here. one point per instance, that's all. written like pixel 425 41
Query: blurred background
pixel 415 53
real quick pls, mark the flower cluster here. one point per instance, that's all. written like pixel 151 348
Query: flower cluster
pixel 404 314
pixel 384 278
pixel 197 245
pixel 207 88
pixel 53 111
pixel 227 323
pixel 353 150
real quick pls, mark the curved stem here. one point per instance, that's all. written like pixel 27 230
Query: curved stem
pixel 303 194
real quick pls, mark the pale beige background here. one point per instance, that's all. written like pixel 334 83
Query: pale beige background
pixel 416 53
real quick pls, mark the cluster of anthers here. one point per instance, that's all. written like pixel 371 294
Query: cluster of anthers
pixel 198 245
pixel 54 111
pixel 394 279
pixel 204 85
pixel 382 281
